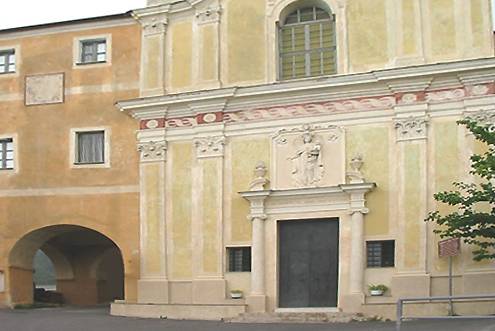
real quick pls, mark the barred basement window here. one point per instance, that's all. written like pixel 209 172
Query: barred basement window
pixel 7 61
pixel 307 44
pixel 90 147
pixel 93 51
pixel 239 259
pixel 6 154
pixel 381 253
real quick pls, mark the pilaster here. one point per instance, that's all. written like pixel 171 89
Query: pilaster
pixel 153 281
pixel 209 284
pixel 411 124
pixel 154 22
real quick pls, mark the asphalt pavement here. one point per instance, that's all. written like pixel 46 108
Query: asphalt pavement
pixel 98 319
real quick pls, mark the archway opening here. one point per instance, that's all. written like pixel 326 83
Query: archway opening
pixel 87 267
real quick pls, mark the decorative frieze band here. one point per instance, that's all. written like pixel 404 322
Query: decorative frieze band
pixel 209 146
pixel 153 151
pixel 322 108
pixel 411 128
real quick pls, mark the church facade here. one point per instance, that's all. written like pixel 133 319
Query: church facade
pixel 286 150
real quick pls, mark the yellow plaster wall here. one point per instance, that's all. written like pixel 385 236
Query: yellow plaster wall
pixel 151 65
pixel 246 40
pixel 245 155
pixel 367 29
pixel 209 67
pixel 113 215
pixel 443 28
pixel 412 205
pixel 446 171
pixel 151 181
pixel 181 54
pixel 210 215
pixel 181 210
pixel 373 144
pixel 409 27
pixel 43 142
pixel 477 24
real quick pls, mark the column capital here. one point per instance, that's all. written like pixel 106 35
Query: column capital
pixel 152 151
pixel 152 21
pixel 362 211
pixel 411 128
pixel 261 217
pixel 211 146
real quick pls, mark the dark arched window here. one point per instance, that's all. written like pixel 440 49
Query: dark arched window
pixel 307 43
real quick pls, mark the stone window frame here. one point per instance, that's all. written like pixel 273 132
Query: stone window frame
pixel 15 169
pixel 73 148
pixel 17 53
pixel 78 47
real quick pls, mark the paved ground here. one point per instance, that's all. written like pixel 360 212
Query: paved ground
pixel 76 319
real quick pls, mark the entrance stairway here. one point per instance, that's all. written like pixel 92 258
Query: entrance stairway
pixel 297 317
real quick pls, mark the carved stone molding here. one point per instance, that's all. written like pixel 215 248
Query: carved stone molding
pixel 154 24
pixel 260 181
pixel 411 128
pixel 209 146
pixel 209 15
pixel 153 151
pixel 485 117
pixel 355 175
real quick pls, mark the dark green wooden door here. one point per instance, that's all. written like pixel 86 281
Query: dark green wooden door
pixel 309 257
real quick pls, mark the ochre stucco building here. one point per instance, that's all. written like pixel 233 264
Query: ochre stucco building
pixel 288 149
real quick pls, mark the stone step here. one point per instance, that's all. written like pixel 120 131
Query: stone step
pixel 297 317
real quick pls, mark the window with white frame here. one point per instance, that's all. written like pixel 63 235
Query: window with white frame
pixel 90 147
pixel 93 51
pixel 7 61
pixel 307 45
pixel 6 154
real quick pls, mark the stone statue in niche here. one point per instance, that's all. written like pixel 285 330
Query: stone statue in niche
pixel 307 164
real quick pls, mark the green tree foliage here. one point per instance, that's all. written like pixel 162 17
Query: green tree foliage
pixel 474 218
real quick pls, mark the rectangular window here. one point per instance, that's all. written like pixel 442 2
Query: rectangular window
pixel 380 253
pixel 6 154
pixel 239 259
pixel 93 51
pixel 7 61
pixel 90 147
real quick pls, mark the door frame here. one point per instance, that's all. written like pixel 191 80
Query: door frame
pixel 277 266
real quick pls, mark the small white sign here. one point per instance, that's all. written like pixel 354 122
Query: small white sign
pixel 2 282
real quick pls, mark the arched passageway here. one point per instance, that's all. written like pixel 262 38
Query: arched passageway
pixel 88 265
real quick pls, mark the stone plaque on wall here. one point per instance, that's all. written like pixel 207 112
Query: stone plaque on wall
pixel 309 156
pixel 44 89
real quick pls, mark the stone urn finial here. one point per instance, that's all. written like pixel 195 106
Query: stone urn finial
pixel 355 175
pixel 260 180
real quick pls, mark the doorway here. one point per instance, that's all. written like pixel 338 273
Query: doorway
pixel 309 263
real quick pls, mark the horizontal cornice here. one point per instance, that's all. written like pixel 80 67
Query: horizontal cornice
pixel 387 82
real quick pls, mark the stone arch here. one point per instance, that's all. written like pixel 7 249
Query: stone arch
pixel 74 250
